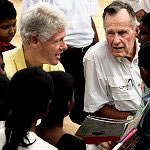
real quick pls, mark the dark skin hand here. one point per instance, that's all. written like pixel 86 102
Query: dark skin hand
pixel 140 14
pixel 95 40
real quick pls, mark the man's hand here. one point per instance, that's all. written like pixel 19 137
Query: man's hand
pixel 108 145
pixel 140 14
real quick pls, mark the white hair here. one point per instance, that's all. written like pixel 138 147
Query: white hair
pixel 43 20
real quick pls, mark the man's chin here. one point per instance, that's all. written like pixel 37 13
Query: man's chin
pixel 117 55
pixel 54 63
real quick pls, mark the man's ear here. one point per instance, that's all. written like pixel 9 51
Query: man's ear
pixel 143 69
pixel 34 40
pixel 48 107
pixel 137 29
pixel 45 113
pixel 71 104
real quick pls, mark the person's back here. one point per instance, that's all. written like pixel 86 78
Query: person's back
pixel 51 127
pixel 7 24
pixel 29 95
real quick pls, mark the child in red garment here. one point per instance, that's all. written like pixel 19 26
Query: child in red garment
pixel 7 25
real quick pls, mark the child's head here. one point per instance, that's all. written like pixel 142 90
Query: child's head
pixel 30 92
pixel 30 89
pixel 7 21
pixel 63 100
pixel 144 34
pixel 4 107
pixel 144 62
pixel 2 65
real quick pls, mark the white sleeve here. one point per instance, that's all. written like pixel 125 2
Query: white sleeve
pixel 93 6
pixel 96 93
pixel 136 4
pixel 147 6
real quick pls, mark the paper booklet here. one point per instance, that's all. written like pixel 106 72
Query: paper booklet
pixel 94 130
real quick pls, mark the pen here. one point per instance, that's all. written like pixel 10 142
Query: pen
pixel 118 146
pixel 126 138
pixel 129 135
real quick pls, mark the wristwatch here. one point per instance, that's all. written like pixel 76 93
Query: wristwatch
pixel 130 117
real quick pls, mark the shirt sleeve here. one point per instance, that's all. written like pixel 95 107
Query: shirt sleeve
pixel 136 4
pixel 96 92
pixel 93 6
pixel 147 6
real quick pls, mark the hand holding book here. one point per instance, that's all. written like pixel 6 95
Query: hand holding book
pixel 95 130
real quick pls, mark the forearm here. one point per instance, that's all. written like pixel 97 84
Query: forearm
pixel 95 39
pixel 111 112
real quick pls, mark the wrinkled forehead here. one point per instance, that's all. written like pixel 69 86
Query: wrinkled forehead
pixel 117 23
pixel 120 16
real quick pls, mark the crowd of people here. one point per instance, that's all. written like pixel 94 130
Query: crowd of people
pixel 61 69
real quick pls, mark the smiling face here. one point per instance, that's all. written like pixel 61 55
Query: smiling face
pixel 120 34
pixel 7 30
pixel 49 51
pixel 144 34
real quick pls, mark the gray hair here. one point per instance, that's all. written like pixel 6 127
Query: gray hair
pixel 42 20
pixel 116 6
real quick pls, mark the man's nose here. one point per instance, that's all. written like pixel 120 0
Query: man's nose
pixel 64 46
pixel 116 39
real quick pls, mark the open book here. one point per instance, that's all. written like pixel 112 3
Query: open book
pixel 94 130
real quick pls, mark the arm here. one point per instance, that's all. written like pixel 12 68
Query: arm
pixel 136 4
pixel 111 112
pixel 95 40
pixel 140 14
pixel 95 89
pixel 147 6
